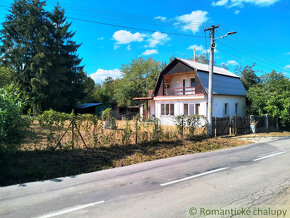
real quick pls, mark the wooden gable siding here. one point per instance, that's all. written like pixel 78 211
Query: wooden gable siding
pixel 176 67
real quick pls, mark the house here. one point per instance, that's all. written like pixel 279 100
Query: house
pixel 182 89
pixel 91 108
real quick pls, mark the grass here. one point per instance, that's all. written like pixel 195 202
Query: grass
pixel 33 165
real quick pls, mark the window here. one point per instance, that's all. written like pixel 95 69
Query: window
pixel 191 109
pixel 226 108
pixel 183 85
pixel 236 108
pixel 185 109
pixel 167 109
pixel 192 82
pixel 162 109
pixel 197 108
pixel 171 109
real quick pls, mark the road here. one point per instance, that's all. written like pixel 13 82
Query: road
pixel 245 175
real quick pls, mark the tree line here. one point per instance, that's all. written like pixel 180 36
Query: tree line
pixel 39 57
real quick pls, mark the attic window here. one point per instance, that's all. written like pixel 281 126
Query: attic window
pixel 192 82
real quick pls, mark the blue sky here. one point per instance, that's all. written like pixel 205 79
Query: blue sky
pixel 262 31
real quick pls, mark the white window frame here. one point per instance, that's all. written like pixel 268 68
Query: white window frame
pixel 169 111
pixel 226 109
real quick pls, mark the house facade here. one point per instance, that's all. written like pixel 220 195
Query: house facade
pixel 182 89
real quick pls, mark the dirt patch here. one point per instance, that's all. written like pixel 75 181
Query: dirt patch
pixel 34 165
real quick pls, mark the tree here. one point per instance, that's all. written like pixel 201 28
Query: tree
pixel 6 76
pixel 139 77
pixel 13 126
pixel 68 84
pixel 105 92
pixel 38 46
pixel 272 97
pixel 248 75
pixel 24 40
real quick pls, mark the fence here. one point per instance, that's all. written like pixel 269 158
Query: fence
pixel 241 125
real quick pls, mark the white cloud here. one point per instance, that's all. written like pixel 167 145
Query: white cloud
pixel 241 3
pixel 287 67
pixel 197 48
pixel 126 37
pixel 220 3
pixel 288 53
pixel 150 52
pixel 129 47
pixel 232 62
pixel 160 18
pixel 237 12
pixel 102 74
pixel 192 21
pixel 101 38
pixel 157 38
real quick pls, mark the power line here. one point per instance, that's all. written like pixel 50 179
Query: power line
pixel 250 44
pixel 250 56
pixel 134 28
pixel 128 27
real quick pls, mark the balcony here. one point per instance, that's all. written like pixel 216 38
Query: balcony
pixel 179 91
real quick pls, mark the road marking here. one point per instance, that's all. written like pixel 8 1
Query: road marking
pixel 194 176
pixel 271 155
pixel 70 209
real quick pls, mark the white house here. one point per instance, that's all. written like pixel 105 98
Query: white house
pixel 182 88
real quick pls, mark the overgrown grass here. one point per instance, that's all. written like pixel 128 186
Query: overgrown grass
pixel 32 165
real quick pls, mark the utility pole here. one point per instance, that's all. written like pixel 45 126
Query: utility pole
pixel 210 76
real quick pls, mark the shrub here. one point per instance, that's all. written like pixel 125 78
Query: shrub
pixel 13 124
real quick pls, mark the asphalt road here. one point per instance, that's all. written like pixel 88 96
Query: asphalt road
pixel 246 175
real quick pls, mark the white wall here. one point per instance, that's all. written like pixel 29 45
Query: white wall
pixel 178 109
pixel 219 105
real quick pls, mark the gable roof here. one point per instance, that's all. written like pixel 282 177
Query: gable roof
pixel 205 67
pixel 224 81
pixel 223 85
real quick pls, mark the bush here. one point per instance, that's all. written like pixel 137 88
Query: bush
pixel 13 124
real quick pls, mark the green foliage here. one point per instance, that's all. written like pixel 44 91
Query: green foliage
pixel 6 76
pixel 127 133
pixel 192 123
pixel 248 76
pixel 110 120
pixel 39 47
pixel 139 77
pixel 271 97
pixel 180 122
pixel 157 130
pixel 13 125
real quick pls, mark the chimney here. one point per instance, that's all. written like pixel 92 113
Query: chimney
pixel 194 56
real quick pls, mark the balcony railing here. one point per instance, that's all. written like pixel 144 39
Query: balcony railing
pixel 180 91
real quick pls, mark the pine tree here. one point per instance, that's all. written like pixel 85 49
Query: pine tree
pixel 24 40
pixel 39 47
pixel 66 85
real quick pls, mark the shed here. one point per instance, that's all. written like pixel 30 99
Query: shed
pixel 91 108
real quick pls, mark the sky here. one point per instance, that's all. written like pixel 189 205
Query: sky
pixel 113 32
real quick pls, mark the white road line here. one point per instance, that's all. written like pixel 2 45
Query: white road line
pixel 70 209
pixel 271 155
pixel 194 176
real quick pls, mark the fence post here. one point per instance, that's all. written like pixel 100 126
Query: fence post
pixel 72 132
pixel 136 139
pixel 267 122
pixel 182 127
pixel 215 126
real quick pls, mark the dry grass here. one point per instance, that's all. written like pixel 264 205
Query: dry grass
pixel 33 162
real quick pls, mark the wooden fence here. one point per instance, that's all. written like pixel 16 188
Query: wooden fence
pixel 241 125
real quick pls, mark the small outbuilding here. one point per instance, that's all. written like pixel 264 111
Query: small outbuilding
pixel 91 108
